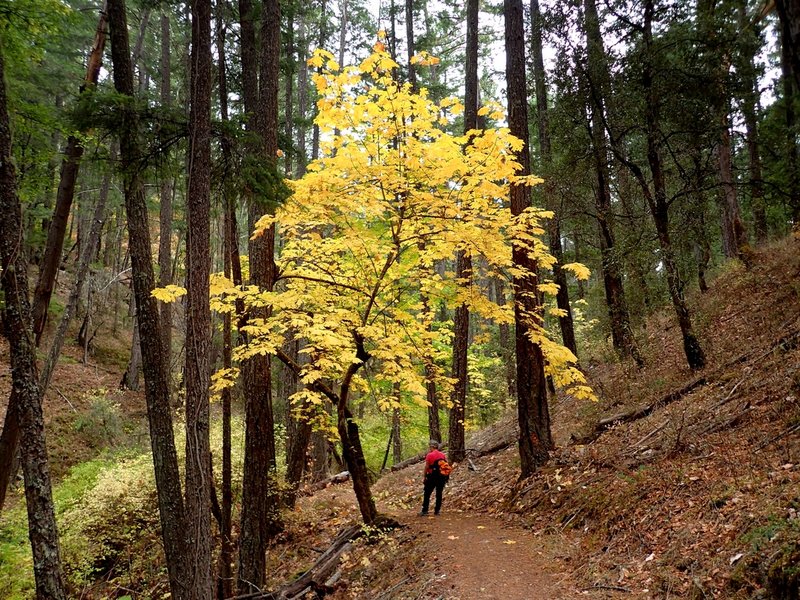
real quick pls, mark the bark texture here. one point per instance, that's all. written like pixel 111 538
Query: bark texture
pixel 165 201
pixel 260 500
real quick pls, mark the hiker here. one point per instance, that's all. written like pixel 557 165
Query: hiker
pixel 434 479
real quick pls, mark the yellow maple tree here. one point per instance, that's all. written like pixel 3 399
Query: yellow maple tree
pixel 392 194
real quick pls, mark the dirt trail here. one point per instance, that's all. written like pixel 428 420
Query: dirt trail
pixel 475 557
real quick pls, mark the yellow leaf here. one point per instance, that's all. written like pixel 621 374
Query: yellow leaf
pixel 170 293
pixel 579 270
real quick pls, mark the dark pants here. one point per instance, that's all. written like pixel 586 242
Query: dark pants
pixel 433 483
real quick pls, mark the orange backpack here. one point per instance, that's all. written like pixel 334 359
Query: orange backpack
pixel 443 467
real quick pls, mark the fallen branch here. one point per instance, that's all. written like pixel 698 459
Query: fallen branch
pixel 600 586
pixel 782 435
pixel 471 452
pixel 408 462
pixel 388 593
pixel 731 421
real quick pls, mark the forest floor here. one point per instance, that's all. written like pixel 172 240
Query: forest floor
pixel 698 498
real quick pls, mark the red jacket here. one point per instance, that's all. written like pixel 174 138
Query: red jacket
pixel 430 460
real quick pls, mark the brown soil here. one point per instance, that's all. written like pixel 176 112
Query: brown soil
pixel 480 558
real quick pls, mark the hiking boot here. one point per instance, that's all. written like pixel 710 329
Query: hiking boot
pixel 423 513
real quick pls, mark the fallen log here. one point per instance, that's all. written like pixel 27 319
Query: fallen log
pixel 472 452
pixel 639 412
pixel 322 575
pixel 408 462
pixel 317 575
pixel 785 342
pixel 321 485
pixel 477 453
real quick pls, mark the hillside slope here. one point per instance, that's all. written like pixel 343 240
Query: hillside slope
pixel 692 492
pixel 698 498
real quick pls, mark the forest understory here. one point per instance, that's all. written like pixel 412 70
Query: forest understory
pixel 691 494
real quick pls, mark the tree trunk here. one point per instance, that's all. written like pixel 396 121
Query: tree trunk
pixel 320 456
pixel 42 529
pixel 198 311
pixel 288 104
pixel 733 232
pixel 230 256
pixel 506 347
pixel 98 219
pixel 658 200
pixel 302 97
pixel 323 40
pixel 397 441
pixel 550 203
pixel 412 72
pixel 621 333
pixel 456 451
pixel 750 102
pixel 168 485
pixel 534 419
pixel 260 499
pixel 66 192
pixel 347 428
pixel 298 430
pixel 130 379
pixel 9 446
pixel 9 439
pixel 165 203
pixel 354 453
pixel 790 78
pixel 434 427
pixel 789 15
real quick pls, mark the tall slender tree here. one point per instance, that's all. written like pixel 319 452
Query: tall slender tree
pixel 165 198
pixel 70 166
pixel 456 450
pixel 162 441
pixel 260 499
pixel 232 270
pixel 532 409
pixel 546 158
pixel 656 197
pixel 198 312
pixel 597 77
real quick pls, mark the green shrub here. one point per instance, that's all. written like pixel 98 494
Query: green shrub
pixel 16 561
pixel 101 425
